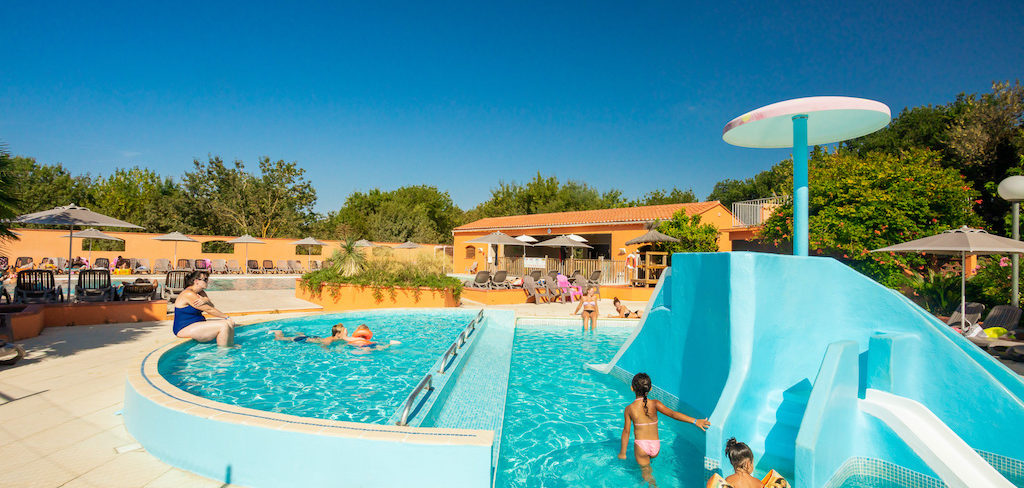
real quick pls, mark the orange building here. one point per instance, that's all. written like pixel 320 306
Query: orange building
pixel 606 231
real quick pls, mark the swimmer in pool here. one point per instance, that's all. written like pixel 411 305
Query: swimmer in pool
pixel 643 418
pixel 338 333
pixel 361 338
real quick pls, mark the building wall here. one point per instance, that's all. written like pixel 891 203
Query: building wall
pixel 718 216
pixel 40 243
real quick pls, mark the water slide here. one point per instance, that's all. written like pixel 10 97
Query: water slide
pixel 780 352
pixel 938 446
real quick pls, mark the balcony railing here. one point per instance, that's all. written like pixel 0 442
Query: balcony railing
pixel 751 213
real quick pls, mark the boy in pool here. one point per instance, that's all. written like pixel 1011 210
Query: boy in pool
pixel 361 339
pixel 644 420
pixel 338 333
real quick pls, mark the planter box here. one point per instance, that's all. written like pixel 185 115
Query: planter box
pixel 336 297
pixel 28 320
pixel 495 297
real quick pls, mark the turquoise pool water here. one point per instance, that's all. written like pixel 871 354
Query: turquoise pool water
pixel 338 383
pixel 563 423
pixel 223 284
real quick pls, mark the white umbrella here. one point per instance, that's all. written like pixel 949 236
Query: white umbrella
pixel 309 241
pixel 962 241
pixel 93 234
pixel 562 241
pixel 526 238
pixel 246 239
pixel 576 238
pixel 176 237
pixel 500 238
pixel 408 245
pixel 72 215
pixel 363 243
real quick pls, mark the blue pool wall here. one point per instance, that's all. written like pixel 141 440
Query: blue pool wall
pixel 740 337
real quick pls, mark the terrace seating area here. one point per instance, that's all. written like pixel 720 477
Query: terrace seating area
pixel 131 265
pixel 499 287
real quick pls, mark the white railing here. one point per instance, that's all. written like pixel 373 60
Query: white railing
pixel 750 213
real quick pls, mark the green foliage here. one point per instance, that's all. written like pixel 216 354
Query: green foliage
pixel 308 250
pixel 419 213
pixel 347 260
pixel 217 247
pixel 939 292
pixel 661 197
pixel 859 203
pixel 693 236
pixel 102 245
pixel 991 284
pixel 8 194
pixel 544 195
pixel 227 200
pixel 139 196
pixel 778 180
pixel 41 187
pixel 385 274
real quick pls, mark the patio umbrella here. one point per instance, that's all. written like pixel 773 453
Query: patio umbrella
pixel 246 239
pixel 562 241
pixel 652 236
pixel 309 241
pixel 502 239
pixel 962 241
pixel 576 238
pixel 408 245
pixel 93 234
pixel 72 215
pixel 176 237
pixel 363 243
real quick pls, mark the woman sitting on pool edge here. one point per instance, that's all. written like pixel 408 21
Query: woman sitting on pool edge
pixel 189 307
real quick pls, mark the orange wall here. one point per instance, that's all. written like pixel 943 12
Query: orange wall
pixel 334 298
pixel 718 216
pixel 40 243
pixel 30 322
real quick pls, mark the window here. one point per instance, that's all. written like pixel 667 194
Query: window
pixel 470 252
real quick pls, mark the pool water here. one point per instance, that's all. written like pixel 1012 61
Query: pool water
pixel 563 423
pixel 268 283
pixel 339 382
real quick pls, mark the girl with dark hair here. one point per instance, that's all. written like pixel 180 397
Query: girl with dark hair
pixel 189 307
pixel 742 460
pixel 642 416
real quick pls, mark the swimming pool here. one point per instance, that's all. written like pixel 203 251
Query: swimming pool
pixel 563 423
pixel 308 380
pixel 218 283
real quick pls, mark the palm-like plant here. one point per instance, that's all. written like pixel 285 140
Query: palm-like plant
pixel 8 201
pixel 348 259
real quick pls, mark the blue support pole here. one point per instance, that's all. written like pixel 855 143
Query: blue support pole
pixel 800 213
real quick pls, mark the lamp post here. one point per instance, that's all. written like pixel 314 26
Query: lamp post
pixel 1012 190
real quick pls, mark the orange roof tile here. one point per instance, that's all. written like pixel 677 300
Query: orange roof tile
pixel 588 217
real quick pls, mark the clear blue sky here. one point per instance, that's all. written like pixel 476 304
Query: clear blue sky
pixel 628 95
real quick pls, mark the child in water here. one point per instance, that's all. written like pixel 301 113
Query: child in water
pixel 742 460
pixel 360 338
pixel 643 417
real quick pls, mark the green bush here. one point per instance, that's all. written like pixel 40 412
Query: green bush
pixel 384 274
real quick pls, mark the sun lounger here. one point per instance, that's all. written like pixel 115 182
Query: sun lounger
pixel 23 263
pixel 201 264
pixel 94 286
pixel 314 265
pixel 184 264
pixel 536 274
pixel 219 266
pixel 233 267
pixel 531 289
pixel 1005 316
pixel 500 280
pixel 162 266
pixel 472 269
pixel 252 266
pixel 101 263
pixel 282 267
pixel 139 291
pixel 482 280
pixel 552 290
pixel 595 281
pixel 973 315
pixel 268 266
pixel 37 286
pixel 174 283
pixel 295 266
pixel 140 265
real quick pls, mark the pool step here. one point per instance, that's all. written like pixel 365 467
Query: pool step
pixel 781 422
pixel 477 401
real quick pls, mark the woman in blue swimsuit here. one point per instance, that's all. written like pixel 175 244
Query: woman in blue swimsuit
pixel 189 307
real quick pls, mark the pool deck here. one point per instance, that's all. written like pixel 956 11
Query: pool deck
pixel 60 423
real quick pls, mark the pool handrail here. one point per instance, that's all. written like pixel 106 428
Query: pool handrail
pixel 451 352
pixel 427 382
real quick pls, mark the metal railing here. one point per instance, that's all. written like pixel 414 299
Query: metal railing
pixel 450 353
pixel 750 213
pixel 612 272
pixel 427 382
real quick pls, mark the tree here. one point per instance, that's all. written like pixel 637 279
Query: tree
pixel 859 203
pixel 777 180
pixel 41 187
pixel 544 195
pixel 8 201
pixel 139 196
pixel 419 213
pixel 230 201
pixel 693 236
pixel 661 197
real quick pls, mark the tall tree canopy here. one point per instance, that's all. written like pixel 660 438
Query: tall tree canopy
pixel 544 195
pixel 419 213
pixel 662 197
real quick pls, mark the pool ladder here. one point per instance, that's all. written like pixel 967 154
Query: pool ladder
pixel 428 380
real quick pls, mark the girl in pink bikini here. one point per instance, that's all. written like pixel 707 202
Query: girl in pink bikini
pixel 642 416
